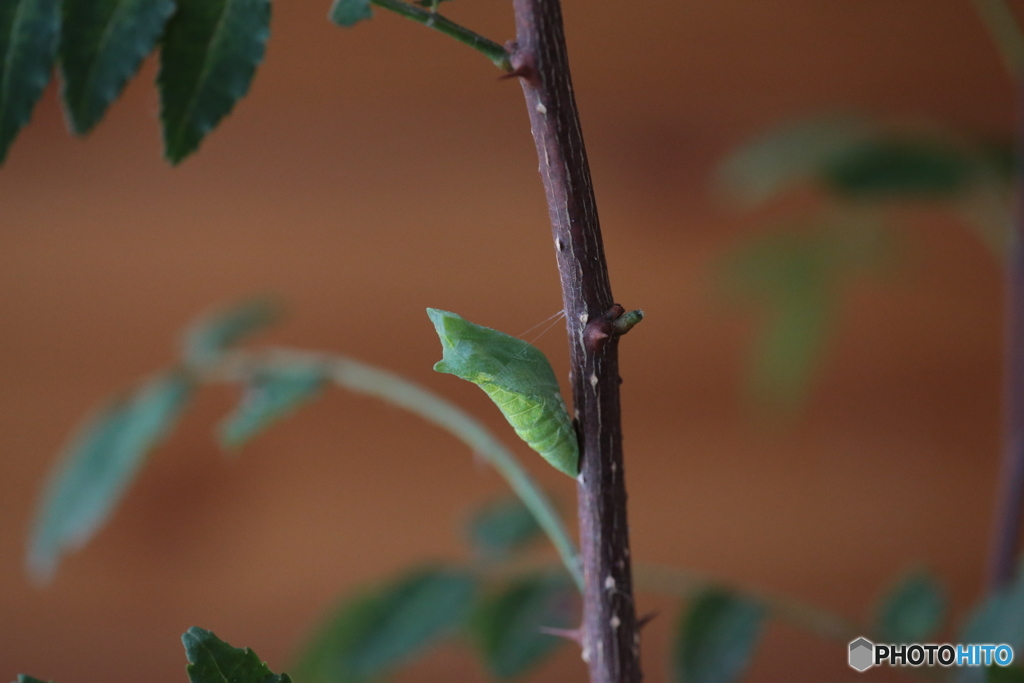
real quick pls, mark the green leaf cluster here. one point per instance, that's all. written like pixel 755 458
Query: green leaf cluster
pixel 209 51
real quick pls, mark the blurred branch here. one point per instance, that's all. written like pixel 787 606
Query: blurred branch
pixel 240 366
pixel 1005 31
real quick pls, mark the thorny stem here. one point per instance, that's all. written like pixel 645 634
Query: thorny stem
pixel 611 639
pixel 241 366
pixel 490 49
pixel 1007 35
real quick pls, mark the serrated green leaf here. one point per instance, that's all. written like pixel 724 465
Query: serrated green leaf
pixel 502 527
pixel 377 631
pixel 209 55
pixel 506 627
pixel 899 167
pixel 518 378
pixel 790 155
pixel 213 334
pixel 269 396
pixel 911 611
pixel 98 466
pixel 211 660
pixel 350 12
pixel 716 638
pixel 28 44
pixel 102 45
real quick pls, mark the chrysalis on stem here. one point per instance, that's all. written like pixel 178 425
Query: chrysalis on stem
pixel 518 378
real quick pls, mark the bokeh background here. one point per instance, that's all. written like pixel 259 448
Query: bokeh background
pixel 374 172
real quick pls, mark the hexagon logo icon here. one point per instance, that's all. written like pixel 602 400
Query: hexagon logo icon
pixel 862 654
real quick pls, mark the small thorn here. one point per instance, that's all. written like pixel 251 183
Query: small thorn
pixel 522 71
pixel 645 619
pixel 573 634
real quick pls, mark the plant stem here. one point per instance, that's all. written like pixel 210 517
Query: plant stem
pixel 1010 501
pixel 611 640
pixel 240 366
pixel 1007 35
pixel 490 49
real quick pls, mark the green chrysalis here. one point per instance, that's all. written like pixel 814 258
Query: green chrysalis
pixel 518 378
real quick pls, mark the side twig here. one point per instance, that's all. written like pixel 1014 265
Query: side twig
pixel 1008 38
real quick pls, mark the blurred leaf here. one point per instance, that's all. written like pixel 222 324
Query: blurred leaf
pixel 899 167
pixel 999 618
pixel 1004 674
pixel 373 633
pixel 211 660
pixel 98 466
pixel 209 55
pixel 22 678
pixel 912 610
pixel 102 45
pixel 215 333
pixel 788 156
pixel 716 638
pixel 28 44
pixel 797 279
pixel 350 12
pixel 503 527
pixel 269 396
pixel 507 627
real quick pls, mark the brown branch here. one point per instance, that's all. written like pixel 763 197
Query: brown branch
pixel 611 640
pixel 1010 502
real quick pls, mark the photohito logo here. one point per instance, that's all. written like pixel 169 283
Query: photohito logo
pixel 864 654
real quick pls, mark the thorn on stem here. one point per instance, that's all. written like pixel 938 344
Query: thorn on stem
pixel 573 634
pixel 645 619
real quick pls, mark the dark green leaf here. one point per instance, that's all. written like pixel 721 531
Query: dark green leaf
pixel 350 12
pixel 270 396
pixel 206 339
pixel 211 660
pixel 208 59
pixel 900 168
pixel 102 45
pixel 503 527
pixel 28 44
pixel 22 678
pixel 98 466
pixel 377 631
pixel 716 638
pixel 912 610
pixel 1004 674
pixel 507 627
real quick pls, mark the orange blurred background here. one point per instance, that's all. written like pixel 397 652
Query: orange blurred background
pixel 374 172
